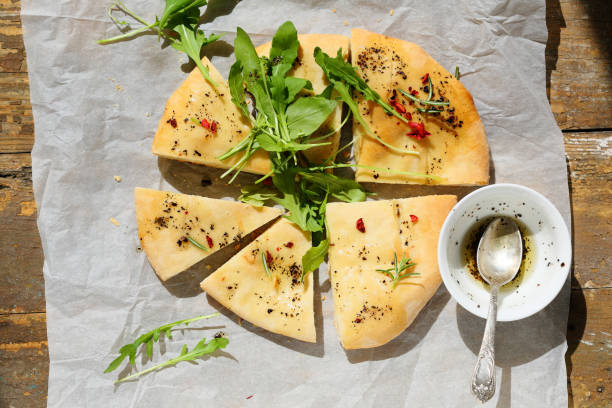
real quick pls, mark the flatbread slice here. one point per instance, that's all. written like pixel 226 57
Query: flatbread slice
pixel 178 137
pixel 457 148
pixel 307 68
pixel 278 303
pixel 166 219
pixel 368 311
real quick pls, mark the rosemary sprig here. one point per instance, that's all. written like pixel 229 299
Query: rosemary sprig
pixel 422 101
pixel 265 263
pixel 130 350
pixel 395 273
pixel 196 243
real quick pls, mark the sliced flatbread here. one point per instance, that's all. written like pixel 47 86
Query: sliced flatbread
pixel 368 311
pixel 457 149
pixel 178 137
pixel 166 219
pixel 278 303
pixel 307 68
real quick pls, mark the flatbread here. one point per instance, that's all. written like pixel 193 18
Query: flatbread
pixel 457 149
pixel 368 312
pixel 179 138
pixel 165 219
pixel 278 303
pixel 307 68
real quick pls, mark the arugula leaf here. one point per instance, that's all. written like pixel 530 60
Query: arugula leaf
pixel 268 143
pixel 313 258
pixel 130 350
pixel 306 115
pixel 201 349
pixel 256 195
pixel 294 86
pixel 191 42
pixel 236 86
pixel 343 189
pixel 299 212
pixel 180 18
pixel 284 49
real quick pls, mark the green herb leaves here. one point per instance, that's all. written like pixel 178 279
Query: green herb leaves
pixel 395 273
pixel 314 257
pixel 129 350
pixel 344 78
pixel 201 349
pixel 178 24
pixel 306 115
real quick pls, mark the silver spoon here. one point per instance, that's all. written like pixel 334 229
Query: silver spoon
pixel 499 256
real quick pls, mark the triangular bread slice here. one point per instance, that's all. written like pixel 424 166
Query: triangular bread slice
pixel 457 149
pixel 178 137
pixel 166 219
pixel 278 303
pixel 368 311
pixel 307 68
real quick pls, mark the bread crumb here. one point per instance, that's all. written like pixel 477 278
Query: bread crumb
pixel 392 12
pixel 208 267
pixel 248 101
pixel 148 114
pixel 322 297
pixel 117 179
pixel 334 10
pixel 114 221
pixel 346 23
pixel 378 20
pixel 118 87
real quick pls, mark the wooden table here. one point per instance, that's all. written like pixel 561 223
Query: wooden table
pixel 579 84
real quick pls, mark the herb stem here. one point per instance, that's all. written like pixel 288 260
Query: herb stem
pixel 127 35
pixel 196 243
pixel 422 101
pixel 265 263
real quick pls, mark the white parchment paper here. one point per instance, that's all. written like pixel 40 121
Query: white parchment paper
pixel 95 111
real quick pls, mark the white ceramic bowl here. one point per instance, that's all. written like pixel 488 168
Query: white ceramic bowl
pixel 547 234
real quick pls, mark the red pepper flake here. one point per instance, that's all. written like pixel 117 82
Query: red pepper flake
pixel 289 244
pixel 186 212
pixel 249 397
pixel 205 124
pixel 418 130
pixel 277 249
pixel 213 126
pixel 268 257
pixel 425 78
pixel 413 218
pixel 209 241
pixel 360 225
pixel 408 115
pixel 414 92
pixel 267 181
pixel 172 122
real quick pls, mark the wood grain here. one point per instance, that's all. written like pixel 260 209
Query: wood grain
pixel 24 356
pixel 589 354
pixel 589 156
pixel 21 279
pixel 579 63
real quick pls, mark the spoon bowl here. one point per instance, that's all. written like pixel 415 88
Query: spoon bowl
pixel 500 251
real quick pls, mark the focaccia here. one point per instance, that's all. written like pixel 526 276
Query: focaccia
pixel 166 220
pixel 181 136
pixel 451 145
pixel 277 302
pixel 364 237
pixel 307 68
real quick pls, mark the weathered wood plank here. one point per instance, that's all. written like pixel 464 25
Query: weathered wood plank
pixel 579 63
pixel 21 281
pixel 24 360
pixel 16 122
pixel 589 158
pixel 12 54
pixel 589 354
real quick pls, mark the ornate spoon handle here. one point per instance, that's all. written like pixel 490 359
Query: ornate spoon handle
pixel 483 379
